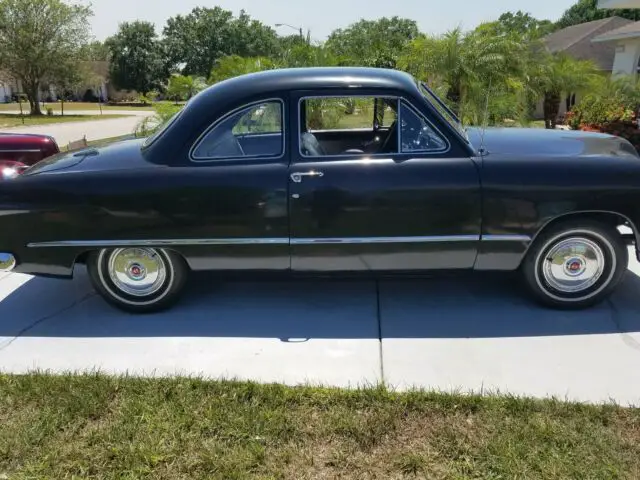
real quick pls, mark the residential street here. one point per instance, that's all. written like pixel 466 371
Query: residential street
pixel 477 333
pixel 94 130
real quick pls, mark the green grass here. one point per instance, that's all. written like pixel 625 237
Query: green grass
pixel 102 427
pixel 68 107
pixel 8 120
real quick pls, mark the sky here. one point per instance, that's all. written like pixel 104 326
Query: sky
pixel 323 16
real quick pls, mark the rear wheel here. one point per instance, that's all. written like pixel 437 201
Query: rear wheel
pixel 575 264
pixel 139 280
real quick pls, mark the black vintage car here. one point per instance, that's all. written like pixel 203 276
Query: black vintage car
pixel 327 170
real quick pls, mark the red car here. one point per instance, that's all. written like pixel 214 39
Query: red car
pixel 19 151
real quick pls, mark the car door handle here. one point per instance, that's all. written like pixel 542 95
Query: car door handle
pixel 297 176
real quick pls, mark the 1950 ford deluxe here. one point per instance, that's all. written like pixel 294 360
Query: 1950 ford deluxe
pixel 327 170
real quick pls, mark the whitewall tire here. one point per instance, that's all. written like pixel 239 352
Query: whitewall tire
pixel 576 264
pixel 138 279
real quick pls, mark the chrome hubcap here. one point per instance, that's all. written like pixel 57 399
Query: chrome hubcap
pixel 573 265
pixel 137 271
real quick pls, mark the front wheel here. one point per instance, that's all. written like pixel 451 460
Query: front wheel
pixel 139 280
pixel 576 264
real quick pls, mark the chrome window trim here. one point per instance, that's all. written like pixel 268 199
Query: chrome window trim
pixel 399 99
pixel 218 121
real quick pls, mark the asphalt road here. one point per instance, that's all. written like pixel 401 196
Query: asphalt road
pixel 472 333
pixel 94 129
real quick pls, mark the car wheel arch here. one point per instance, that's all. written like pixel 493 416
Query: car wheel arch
pixel 608 217
pixel 83 257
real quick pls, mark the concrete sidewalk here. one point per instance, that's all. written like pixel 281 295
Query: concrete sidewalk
pixel 64 133
pixel 472 333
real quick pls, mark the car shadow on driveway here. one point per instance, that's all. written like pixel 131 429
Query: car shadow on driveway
pixel 441 306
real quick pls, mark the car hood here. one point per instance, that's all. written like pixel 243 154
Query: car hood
pixel 541 142
pixel 123 155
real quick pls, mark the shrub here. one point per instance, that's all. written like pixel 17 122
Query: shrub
pixel 612 115
pixel 598 110
pixel 163 113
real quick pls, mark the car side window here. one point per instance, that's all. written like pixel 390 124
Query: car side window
pixel 348 125
pixel 253 131
pixel 417 135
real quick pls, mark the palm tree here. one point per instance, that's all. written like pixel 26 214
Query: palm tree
pixel 235 65
pixel 465 62
pixel 561 74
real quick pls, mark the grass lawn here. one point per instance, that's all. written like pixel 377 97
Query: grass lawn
pixel 107 428
pixel 11 120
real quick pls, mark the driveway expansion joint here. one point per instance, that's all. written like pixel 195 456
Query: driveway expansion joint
pixel 6 344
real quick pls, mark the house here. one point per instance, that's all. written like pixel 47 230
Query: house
pixel 625 40
pixel 626 43
pixel 619 4
pixel 97 86
pixel 577 41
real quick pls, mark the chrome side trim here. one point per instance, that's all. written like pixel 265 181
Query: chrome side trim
pixel 280 241
pixel 21 151
pixel 161 243
pixel 254 241
pixel 506 238
pixel 366 240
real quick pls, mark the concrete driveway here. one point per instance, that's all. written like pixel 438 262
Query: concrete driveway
pixel 94 129
pixel 468 333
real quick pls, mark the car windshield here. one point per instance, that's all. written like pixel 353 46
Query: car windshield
pixel 445 111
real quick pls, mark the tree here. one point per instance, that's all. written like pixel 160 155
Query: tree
pixel 519 25
pixel 562 74
pixel 137 60
pixel 305 55
pixel 587 11
pixel 38 38
pixel 96 51
pixel 375 43
pixel 466 63
pixel 234 65
pixel 183 87
pixel 198 40
pixel 67 80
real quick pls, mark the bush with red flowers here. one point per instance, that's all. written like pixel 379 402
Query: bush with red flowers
pixel 612 115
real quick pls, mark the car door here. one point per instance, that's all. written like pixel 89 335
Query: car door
pixel 404 207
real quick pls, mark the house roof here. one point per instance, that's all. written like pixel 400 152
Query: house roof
pixel 577 41
pixel 631 30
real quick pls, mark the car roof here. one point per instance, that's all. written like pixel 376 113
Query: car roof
pixel 320 77
pixel 208 105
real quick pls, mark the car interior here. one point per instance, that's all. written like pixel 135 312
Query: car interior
pixel 343 126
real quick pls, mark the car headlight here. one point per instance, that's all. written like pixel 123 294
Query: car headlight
pixel 7 173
